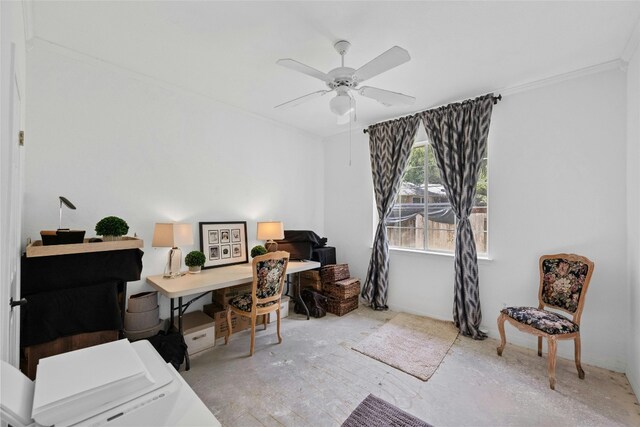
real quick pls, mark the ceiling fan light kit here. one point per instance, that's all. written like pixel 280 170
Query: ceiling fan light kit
pixel 341 104
pixel 343 80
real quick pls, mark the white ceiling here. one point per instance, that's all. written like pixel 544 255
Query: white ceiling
pixel 227 50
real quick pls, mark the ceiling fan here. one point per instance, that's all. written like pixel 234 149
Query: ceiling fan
pixel 345 80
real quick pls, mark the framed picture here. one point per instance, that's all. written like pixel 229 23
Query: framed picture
pixel 214 252
pixel 224 243
pixel 236 250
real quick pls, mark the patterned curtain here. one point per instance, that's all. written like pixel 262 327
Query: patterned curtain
pixel 458 133
pixel 390 146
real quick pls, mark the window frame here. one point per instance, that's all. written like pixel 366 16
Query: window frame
pixel 426 250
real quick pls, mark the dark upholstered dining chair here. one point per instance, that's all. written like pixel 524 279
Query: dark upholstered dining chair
pixel 269 272
pixel 564 279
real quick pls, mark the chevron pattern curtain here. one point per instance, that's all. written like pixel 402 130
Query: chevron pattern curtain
pixel 458 133
pixel 390 146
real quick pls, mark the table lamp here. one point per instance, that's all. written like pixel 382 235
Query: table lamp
pixel 268 231
pixel 170 235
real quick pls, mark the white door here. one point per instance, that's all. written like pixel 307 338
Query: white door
pixel 11 158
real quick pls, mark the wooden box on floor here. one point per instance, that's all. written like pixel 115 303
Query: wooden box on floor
pixel 219 315
pixel 199 332
pixel 311 279
pixel 334 272
pixel 221 297
pixel 342 289
pixel 342 307
pixel 33 353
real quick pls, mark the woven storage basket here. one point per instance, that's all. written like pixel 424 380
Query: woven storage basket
pixel 334 272
pixel 144 301
pixel 341 307
pixel 342 289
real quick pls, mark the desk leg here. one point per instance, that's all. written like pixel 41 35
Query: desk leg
pixel 187 361
pixel 288 281
pixel 171 322
pixel 299 293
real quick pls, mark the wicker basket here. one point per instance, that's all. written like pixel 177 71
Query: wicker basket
pixel 334 272
pixel 342 289
pixel 341 307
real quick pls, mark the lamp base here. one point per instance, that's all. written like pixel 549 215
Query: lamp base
pixel 271 246
pixel 174 264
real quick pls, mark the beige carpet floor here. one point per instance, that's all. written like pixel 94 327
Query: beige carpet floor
pixel 414 344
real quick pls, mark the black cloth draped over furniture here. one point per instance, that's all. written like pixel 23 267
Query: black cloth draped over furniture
pixel 75 293
pixel 305 244
pixel 64 312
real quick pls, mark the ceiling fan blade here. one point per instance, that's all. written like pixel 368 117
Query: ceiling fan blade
pixel 303 98
pixel 386 61
pixel 304 69
pixel 386 97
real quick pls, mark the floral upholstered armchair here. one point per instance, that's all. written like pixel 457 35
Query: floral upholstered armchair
pixel 269 272
pixel 564 279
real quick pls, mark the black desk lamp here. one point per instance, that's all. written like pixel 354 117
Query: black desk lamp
pixel 67 203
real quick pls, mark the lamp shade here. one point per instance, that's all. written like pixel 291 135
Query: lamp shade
pixel 170 235
pixel 270 230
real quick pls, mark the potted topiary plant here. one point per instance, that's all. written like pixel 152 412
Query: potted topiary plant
pixel 195 260
pixel 111 228
pixel 258 250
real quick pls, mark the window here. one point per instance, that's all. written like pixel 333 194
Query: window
pixel 407 227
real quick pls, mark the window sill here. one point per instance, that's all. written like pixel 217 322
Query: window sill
pixel 481 258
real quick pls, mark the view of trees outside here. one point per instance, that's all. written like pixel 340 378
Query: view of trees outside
pixel 407 226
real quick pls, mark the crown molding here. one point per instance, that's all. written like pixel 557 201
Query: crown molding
pixel 632 44
pixel 27 14
pixel 511 90
pixel 94 61
pixel 548 81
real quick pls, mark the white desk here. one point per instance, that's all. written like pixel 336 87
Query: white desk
pixel 210 280
pixel 215 278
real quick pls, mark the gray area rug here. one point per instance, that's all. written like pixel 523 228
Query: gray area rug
pixel 414 344
pixel 375 412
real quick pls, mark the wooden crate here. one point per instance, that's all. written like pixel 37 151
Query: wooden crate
pixel 341 307
pixel 342 289
pixel 334 272
pixel 311 279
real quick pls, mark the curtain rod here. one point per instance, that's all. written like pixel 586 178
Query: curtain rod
pixel 495 101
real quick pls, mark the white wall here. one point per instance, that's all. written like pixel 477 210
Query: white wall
pixel 116 143
pixel 633 217
pixel 557 184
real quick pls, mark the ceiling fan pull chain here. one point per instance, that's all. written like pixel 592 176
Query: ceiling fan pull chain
pixel 350 121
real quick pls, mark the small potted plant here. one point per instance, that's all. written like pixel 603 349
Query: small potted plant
pixel 195 260
pixel 258 250
pixel 112 228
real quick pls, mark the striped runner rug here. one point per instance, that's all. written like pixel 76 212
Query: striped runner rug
pixel 375 412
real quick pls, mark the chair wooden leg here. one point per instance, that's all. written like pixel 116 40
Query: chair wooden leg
pixel 264 320
pixel 253 333
pixel 503 338
pixel 577 356
pixel 540 346
pixel 278 316
pixel 229 331
pixel 552 362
